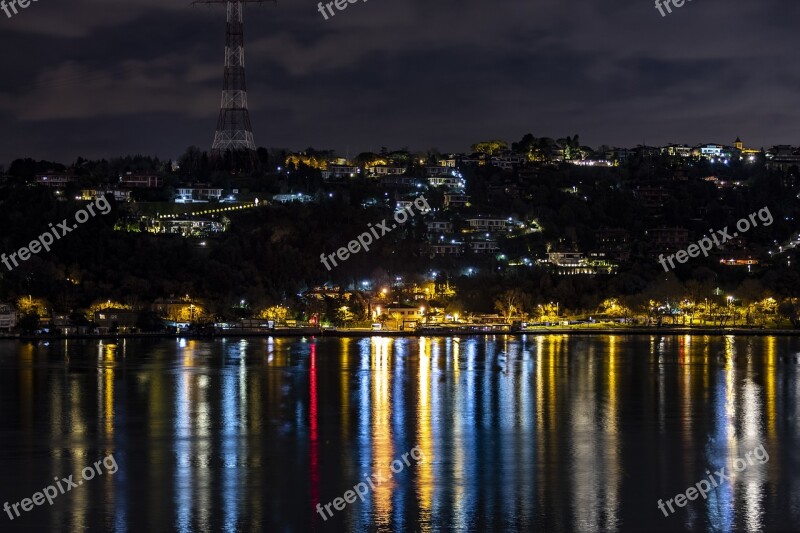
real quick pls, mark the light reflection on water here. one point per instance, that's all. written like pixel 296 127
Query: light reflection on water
pixel 562 433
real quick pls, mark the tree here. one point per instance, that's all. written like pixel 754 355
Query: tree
pixel 788 310
pixel 490 147
pixel 29 323
pixel 511 303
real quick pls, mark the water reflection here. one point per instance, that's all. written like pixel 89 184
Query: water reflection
pixel 563 433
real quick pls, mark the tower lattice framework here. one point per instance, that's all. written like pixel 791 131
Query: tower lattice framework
pixel 234 131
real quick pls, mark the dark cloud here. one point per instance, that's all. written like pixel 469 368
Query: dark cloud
pixel 95 78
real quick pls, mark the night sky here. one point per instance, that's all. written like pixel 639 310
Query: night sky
pixel 100 78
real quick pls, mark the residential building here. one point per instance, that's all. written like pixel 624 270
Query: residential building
pixel 381 170
pixel 449 162
pixel 484 247
pixel 292 198
pixel 439 226
pixel 455 200
pixel 444 249
pixel 188 226
pixel 119 195
pixel 449 181
pixel 677 150
pixel 611 238
pixel 56 179
pixel 340 172
pixel 397 180
pixel 574 263
pixel 739 259
pixel 612 243
pixel 507 160
pixel 405 313
pixel 61 323
pixel 488 224
pixel 651 197
pixel 437 171
pixel 566 258
pixel 783 157
pixel 712 151
pixel 197 194
pixel 8 317
pixel 669 238
pixel 115 320
pixel 140 181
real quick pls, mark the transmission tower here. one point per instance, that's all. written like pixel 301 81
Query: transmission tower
pixel 234 131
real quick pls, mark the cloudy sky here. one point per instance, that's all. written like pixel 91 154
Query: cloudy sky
pixel 99 78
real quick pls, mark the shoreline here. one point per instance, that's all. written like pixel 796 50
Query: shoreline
pixel 423 332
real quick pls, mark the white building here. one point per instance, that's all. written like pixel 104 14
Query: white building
pixel 291 198
pixel 484 247
pixel 711 150
pixel 8 317
pixel 451 182
pixel 57 180
pixel 340 172
pixel 191 195
pixel 440 226
pixel 445 248
pixel 487 224
pixel 381 170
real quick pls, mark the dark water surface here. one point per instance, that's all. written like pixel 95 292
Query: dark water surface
pixel 512 433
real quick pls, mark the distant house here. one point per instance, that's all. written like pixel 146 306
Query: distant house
pixel 139 181
pixel 783 157
pixel 487 224
pixel 652 197
pixel 55 179
pixel 383 170
pixel 397 180
pixel 669 238
pixel 189 226
pixel 455 200
pixel 437 171
pixel 405 316
pixel 440 226
pixel 119 195
pixel 677 150
pixel 61 323
pixel 115 320
pixel 453 248
pixel 710 151
pixel 291 198
pixel 197 194
pixel 449 181
pixel 8 317
pixel 484 247
pixel 340 171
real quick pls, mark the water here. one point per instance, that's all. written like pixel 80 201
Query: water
pixel 556 433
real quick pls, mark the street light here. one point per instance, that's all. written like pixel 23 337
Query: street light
pixel 730 309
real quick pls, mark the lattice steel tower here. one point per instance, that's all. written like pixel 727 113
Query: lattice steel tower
pixel 234 131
